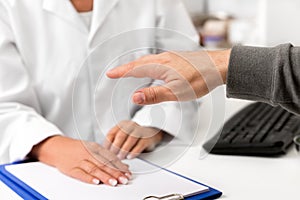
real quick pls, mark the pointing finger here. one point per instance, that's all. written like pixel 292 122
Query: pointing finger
pixel 149 66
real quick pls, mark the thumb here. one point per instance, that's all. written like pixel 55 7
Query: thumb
pixel 153 95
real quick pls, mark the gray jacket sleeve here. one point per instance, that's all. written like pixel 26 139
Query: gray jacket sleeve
pixel 270 75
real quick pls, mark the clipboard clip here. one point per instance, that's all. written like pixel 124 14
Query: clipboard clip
pixel 168 197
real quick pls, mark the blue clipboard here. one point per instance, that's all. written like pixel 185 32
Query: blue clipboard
pixel 28 193
pixel 18 186
pixel 211 194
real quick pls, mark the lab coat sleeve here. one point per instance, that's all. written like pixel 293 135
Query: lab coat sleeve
pixel 21 124
pixel 175 32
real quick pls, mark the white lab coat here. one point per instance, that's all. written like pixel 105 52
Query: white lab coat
pixel 47 89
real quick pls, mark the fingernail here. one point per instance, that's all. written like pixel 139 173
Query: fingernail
pixel 128 175
pixel 113 182
pixel 123 180
pixel 129 157
pixel 139 97
pixel 96 181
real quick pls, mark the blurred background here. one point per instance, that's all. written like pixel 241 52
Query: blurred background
pixel 223 23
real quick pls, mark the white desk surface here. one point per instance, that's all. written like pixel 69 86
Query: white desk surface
pixel 239 178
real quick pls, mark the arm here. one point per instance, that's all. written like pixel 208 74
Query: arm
pixel 186 75
pixel 270 75
pixel 25 132
pixel 21 123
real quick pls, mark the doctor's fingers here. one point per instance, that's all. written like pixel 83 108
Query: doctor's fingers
pixel 103 157
pixel 110 137
pixel 126 128
pixel 118 142
pixel 89 172
pixel 128 145
pixel 146 143
pixel 106 158
pixel 139 148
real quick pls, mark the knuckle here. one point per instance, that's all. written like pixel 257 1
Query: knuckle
pixel 122 135
pixel 119 138
pixel 110 138
pixel 111 133
pixel 123 123
pixel 152 94
pixel 131 138
pixel 137 134
pixel 92 170
pixel 102 163
pixel 127 128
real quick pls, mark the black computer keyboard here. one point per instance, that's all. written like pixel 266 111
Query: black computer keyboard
pixel 257 130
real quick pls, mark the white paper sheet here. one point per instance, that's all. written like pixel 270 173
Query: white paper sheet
pixel 148 181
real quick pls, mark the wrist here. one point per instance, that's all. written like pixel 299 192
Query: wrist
pixel 45 151
pixel 221 60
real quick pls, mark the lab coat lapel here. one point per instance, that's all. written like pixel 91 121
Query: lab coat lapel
pixel 101 10
pixel 65 10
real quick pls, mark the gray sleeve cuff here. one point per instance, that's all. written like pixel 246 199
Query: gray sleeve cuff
pixel 252 72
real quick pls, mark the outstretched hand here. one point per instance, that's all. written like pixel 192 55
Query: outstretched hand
pixel 187 75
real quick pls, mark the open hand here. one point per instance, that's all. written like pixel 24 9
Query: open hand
pixel 85 161
pixel 128 139
pixel 187 75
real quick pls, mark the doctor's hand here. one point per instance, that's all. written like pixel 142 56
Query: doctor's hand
pixel 187 75
pixel 128 139
pixel 85 161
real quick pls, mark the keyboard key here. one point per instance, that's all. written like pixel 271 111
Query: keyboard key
pixel 259 129
pixel 282 121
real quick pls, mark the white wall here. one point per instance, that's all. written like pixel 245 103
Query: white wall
pixel 241 8
pixel 277 21
pixel 282 23
pixel 194 6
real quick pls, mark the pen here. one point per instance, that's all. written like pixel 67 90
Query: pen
pixel 168 197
